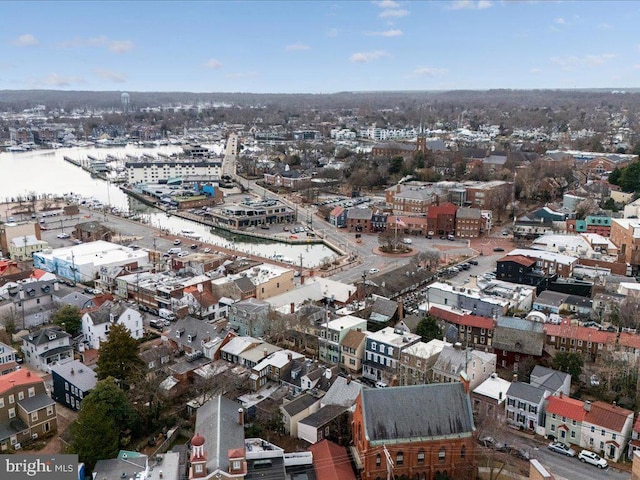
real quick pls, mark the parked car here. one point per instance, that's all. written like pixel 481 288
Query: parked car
pixel 560 447
pixel 373 270
pixel 206 250
pixel 177 242
pixel 183 253
pixel 473 262
pixel 63 235
pixel 407 241
pixel 488 442
pixel 194 247
pixel 586 456
pixel 521 453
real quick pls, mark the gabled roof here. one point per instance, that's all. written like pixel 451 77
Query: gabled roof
pixel 524 391
pixel 519 259
pixel 245 284
pixel 518 335
pixel 577 332
pixel 300 403
pixel 608 416
pixel 566 407
pixel 329 461
pixel 548 378
pixel 45 335
pixel 494 388
pixel 324 415
pixel 217 421
pixel 444 411
pixel 353 339
pixel 17 378
pixel 359 213
pixel 343 392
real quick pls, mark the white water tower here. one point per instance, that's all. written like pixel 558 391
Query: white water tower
pixel 126 101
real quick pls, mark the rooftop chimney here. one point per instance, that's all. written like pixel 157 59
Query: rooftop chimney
pixel 348 379
pixel 515 377
pixel 587 406
pixel 73 371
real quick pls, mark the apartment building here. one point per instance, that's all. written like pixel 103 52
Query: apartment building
pixel 383 352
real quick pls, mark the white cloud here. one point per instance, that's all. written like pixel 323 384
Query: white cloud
pixel 605 26
pixel 296 47
pixel 387 33
pixel 110 75
pixel 398 13
pixel 56 80
pixel 471 5
pixel 636 66
pixel 332 32
pixel 121 46
pixel 387 4
pixel 115 46
pixel 429 71
pixel 213 63
pixel 242 75
pixel 535 71
pixel 26 40
pixel 570 62
pixel 366 57
pixel 559 21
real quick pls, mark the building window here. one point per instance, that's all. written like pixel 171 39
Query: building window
pixel 199 468
pixel 34 416
pixel 420 457
pixel 20 396
pixel 50 410
pixel 32 392
pixel 463 452
pixel 442 454
pixel 11 399
pixel 573 434
pixel 399 459
pixel 12 413
pixel 378 461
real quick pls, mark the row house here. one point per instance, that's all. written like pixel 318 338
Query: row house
pixel 441 444
pixel 468 299
pixel 378 222
pixel 473 330
pixel 273 367
pixel 383 351
pixel 26 410
pixel 352 346
pixel 489 398
pixel 417 360
pixel 8 362
pixel 408 225
pixel 565 337
pixel 598 426
pixel 249 317
pixel 469 222
pixel 332 335
pixel 338 217
pixel 526 401
pixel 72 381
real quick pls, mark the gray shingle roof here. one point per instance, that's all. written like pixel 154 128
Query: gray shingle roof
pixel 35 403
pixel 342 392
pixel 324 415
pixel 526 392
pixel 393 414
pixel 518 335
pixel 548 378
pixel 301 403
pixel 41 337
pixel 77 374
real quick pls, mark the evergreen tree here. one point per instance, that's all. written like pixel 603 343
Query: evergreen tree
pixel 119 357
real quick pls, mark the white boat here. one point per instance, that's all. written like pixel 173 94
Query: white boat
pixel 190 234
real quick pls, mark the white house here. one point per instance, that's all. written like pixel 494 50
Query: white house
pixel 46 347
pixel 97 322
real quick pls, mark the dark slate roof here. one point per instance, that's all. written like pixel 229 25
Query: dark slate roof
pixel 324 415
pixel 578 301
pixel 103 313
pixel 548 378
pixel 394 415
pixel 35 403
pixel 12 427
pixel 217 422
pixel 301 403
pixel 77 299
pixel 198 329
pixel 549 297
pixel 383 310
pixel 526 392
pixel 41 337
pixel 390 284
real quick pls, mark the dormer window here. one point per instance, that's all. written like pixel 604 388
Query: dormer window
pixel 52 336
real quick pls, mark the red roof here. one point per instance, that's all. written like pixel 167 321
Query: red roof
pixel 331 461
pixel 629 340
pixel 461 318
pixel 586 334
pixel 17 378
pixel 38 273
pixel 609 416
pixel 566 407
pixel 520 259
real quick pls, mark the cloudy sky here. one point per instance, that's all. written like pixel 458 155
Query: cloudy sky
pixel 318 46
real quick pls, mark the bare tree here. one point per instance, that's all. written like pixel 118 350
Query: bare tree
pixel 586 207
pixel 430 259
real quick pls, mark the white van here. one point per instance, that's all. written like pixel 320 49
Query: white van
pixel 166 314
pixel 173 250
